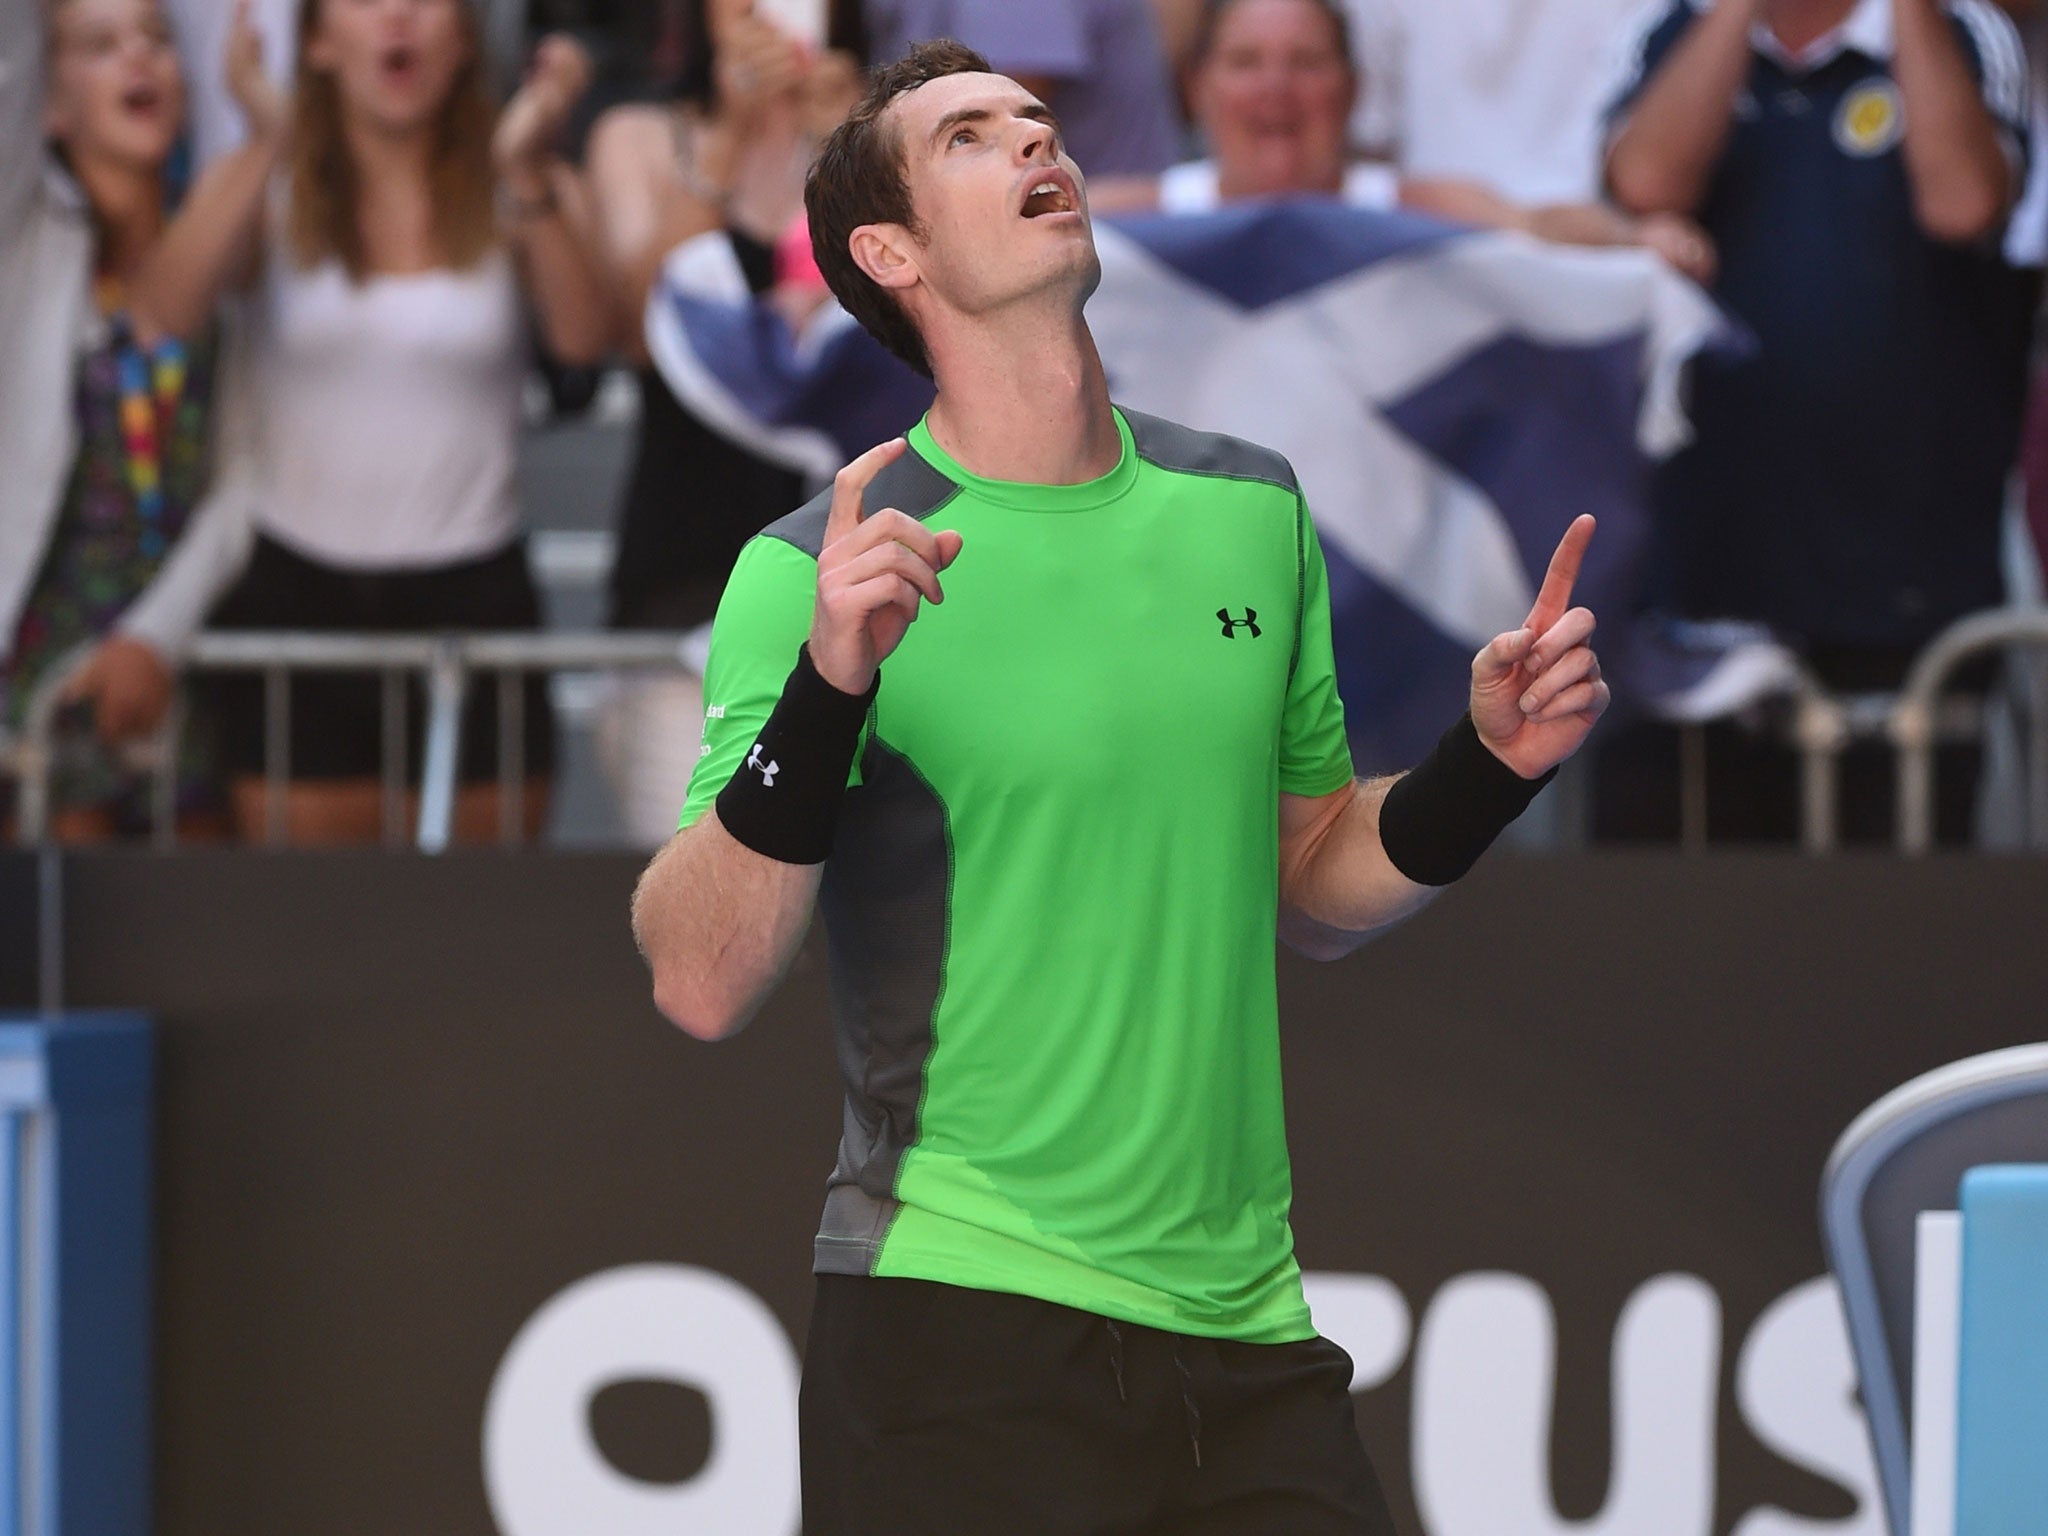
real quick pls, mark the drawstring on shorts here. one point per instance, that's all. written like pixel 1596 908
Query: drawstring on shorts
pixel 1187 1384
pixel 1187 1401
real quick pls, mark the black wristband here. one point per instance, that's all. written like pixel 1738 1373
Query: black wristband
pixel 783 800
pixel 1439 817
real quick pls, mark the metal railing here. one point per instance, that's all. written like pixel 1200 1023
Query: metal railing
pixel 1915 720
pixel 1825 725
pixel 1821 728
pixel 445 664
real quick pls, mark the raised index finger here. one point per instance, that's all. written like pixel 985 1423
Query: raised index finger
pixel 1558 581
pixel 850 482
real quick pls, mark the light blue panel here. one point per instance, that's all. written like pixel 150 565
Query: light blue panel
pixel 11 1121
pixel 2002 1418
pixel 75 1275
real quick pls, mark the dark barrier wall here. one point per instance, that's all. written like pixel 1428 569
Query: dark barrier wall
pixel 19 911
pixel 1556 1145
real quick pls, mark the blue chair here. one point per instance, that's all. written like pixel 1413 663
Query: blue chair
pixel 1906 1154
pixel 2001 1461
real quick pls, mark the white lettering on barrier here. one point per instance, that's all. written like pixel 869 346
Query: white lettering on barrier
pixel 1485 1385
pixel 545 1475
pixel 1796 1384
pixel 1364 1315
pixel 1485 1377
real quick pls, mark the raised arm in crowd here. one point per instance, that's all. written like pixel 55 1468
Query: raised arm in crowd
pixel 106 399
pixel 1962 167
pixel 392 244
pixel 543 215
pixel 729 152
pixel 1272 85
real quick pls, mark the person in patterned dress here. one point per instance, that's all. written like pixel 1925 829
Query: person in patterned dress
pixel 89 234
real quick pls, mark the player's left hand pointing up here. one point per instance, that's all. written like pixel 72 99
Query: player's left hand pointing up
pixel 1537 690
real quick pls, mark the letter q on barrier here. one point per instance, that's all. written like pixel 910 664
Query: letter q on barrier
pixel 545 1475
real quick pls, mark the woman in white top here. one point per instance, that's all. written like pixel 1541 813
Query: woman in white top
pixel 413 230
pixel 1271 85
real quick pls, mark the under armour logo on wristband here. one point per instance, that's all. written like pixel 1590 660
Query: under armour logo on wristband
pixel 1231 626
pixel 767 770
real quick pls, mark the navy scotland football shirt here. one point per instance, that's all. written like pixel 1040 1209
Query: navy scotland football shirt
pixel 1848 473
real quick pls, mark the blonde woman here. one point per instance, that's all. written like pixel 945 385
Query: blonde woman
pixel 412 235
pixel 105 401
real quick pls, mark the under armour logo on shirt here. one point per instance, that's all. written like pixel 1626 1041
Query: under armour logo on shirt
pixel 1231 626
pixel 767 770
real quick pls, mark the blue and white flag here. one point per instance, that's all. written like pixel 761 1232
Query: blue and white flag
pixel 1450 398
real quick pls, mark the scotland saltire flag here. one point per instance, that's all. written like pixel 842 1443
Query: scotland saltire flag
pixel 1450 398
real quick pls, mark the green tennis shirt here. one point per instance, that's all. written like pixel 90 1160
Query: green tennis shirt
pixel 1050 906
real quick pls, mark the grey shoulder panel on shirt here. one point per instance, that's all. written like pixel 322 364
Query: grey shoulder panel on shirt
pixel 805 527
pixel 1171 446
pixel 887 901
pixel 910 485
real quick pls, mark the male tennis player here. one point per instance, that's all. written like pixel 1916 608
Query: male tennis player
pixel 1051 828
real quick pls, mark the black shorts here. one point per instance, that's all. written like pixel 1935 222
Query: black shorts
pixel 933 1410
pixel 337 717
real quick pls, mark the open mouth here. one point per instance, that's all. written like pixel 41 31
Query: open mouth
pixel 1051 195
pixel 142 99
pixel 1276 127
pixel 398 62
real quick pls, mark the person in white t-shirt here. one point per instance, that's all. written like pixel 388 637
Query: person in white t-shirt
pixel 1272 86
pixel 389 273
pixel 1504 92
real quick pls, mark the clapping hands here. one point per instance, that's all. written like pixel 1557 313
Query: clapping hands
pixel 265 109
pixel 534 118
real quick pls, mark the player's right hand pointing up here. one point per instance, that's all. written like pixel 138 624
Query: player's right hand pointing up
pixel 872 574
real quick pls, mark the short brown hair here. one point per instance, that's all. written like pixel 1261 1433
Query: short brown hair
pixel 859 178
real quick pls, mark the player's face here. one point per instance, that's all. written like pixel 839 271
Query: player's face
pixel 1002 207
pixel 393 61
pixel 1274 97
pixel 115 94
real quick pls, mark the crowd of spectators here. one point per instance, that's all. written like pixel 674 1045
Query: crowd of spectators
pixel 1855 163
pixel 726 149
pixel 284 392
pixel 1270 90
pixel 104 408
